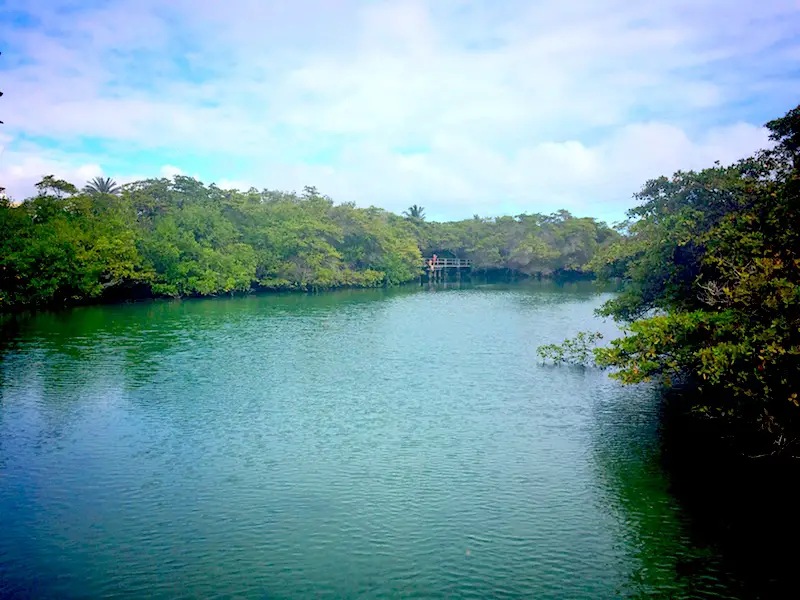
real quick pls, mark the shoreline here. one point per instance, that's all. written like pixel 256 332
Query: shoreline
pixel 492 276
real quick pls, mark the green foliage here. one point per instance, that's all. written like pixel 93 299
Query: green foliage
pixel 576 351
pixel 711 269
pixel 527 244
pixel 179 237
pixel 59 188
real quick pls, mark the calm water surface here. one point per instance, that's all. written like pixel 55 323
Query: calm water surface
pixel 356 444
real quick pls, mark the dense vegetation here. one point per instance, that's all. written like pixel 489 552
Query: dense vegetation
pixel 178 237
pixel 711 271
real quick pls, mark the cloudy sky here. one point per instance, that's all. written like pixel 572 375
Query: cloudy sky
pixel 489 107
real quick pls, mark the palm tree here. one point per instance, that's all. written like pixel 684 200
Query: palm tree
pixel 415 212
pixel 100 185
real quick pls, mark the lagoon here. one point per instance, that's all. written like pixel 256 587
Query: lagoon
pixel 370 444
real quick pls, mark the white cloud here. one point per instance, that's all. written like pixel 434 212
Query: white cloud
pixel 88 172
pixel 170 171
pixel 512 106
pixel 233 184
pixel 20 171
pixel 465 177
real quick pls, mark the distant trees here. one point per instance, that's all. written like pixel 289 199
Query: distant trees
pixel 178 237
pixel 50 185
pixel 528 244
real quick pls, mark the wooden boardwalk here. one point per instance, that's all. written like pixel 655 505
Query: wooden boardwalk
pixel 447 263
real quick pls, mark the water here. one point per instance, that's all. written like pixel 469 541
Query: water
pixel 367 444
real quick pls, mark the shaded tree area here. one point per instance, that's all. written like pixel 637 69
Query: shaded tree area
pixel 711 300
pixel 525 244
pixel 178 237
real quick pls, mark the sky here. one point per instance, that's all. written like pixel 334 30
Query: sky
pixel 484 107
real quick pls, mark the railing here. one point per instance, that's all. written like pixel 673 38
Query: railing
pixel 448 263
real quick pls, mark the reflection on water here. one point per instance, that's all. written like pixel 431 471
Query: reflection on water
pixel 373 444
pixel 667 562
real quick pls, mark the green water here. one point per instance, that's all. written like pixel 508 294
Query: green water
pixel 357 444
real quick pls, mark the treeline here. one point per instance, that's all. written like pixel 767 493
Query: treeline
pixel 711 269
pixel 527 244
pixel 178 237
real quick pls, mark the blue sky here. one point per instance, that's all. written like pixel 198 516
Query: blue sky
pixel 491 107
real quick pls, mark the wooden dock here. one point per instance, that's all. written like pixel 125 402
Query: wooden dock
pixel 446 263
pixel 438 269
